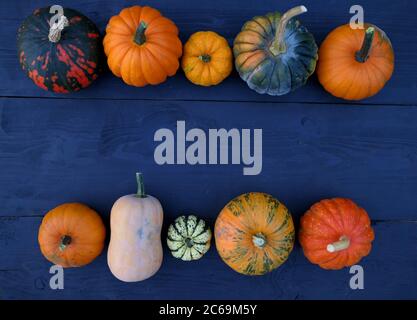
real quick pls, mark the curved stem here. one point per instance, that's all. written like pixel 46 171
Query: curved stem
pixel 56 29
pixel 140 37
pixel 363 54
pixel 259 240
pixel 205 58
pixel 278 45
pixel 65 241
pixel 141 186
pixel 342 244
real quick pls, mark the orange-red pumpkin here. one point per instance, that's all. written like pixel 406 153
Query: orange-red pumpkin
pixel 355 64
pixel 336 233
pixel 71 235
pixel 142 46
pixel 254 233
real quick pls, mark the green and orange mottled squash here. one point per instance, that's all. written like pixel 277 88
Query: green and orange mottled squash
pixel 274 53
pixel 64 57
pixel 254 233
pixel 336 233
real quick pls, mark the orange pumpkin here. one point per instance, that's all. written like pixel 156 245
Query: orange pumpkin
pixel 71 235
pixel 207 59
pixel 254 233
pixel 336 233
pixel 142 46
pixel 355 64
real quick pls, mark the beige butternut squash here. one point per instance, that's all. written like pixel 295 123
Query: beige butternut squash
pixel 135 249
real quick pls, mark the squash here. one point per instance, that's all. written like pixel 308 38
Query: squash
pixel 207 58
pixel 142 46
pixel 71 235
pixel 336 233
pixel 275 54
pixel 188 238
pixel 254 233
pixel 355 63
pixel 61 58
pixel 135 249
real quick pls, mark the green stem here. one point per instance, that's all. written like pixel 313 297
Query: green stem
pixel 65 241
pixel 140 37
pixel 278 44
pixel 363 54
pixel 340 245
pixel 205 58
pixel 141 186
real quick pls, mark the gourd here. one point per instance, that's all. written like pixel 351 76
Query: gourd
pixel 189 238
pixel 355 63
pixel 207 58
pixel 275 54
pixel 142 46
pixel 71 235
pixel 254 233
pixel 61 58
pixel 135 249
pixel 336 233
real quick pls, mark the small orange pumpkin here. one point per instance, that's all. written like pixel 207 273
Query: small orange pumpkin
pixel 254 233
pixel 71 235
pixel 355 64
pixel 336 233
pixel 207 59
pixel 142 46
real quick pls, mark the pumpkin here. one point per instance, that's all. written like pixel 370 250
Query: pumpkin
pixel 254 233
pixel 71 235
pixel 355 63
pixel 274 53
pixel 142 46
pixel 336 233
pixel 135 249
pixel 207 59
pixel 189 238
pixel 64 57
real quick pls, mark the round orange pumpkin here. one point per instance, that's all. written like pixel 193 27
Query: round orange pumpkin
pixel 71 235
pixel 142 46
pixel 207 59
pixel 336 233
pixel 254 233
pixel 355 64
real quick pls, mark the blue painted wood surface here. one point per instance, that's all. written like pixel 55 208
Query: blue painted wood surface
pixel 87 146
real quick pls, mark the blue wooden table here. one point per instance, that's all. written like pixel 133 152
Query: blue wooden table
pixel 86 147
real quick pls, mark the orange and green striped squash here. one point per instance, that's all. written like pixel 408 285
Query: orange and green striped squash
pixel 254 233
pixel 275 54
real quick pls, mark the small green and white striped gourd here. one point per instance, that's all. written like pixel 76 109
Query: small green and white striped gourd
pixel 189 238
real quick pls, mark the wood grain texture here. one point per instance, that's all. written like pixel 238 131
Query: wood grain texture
pixel 226 17
pixel 26 273
pixel 86 147
pixel 67 150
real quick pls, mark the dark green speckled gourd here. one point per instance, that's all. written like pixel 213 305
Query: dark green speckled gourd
pixel 274 53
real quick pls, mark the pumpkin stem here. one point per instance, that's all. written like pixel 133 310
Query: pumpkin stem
pixel 342 244
pixel 363 54
pixel 205 58
pixel 141 186
pixel 56 29
pixel 140 37
pixel 65 241
pixel 278 45
pixel 259 240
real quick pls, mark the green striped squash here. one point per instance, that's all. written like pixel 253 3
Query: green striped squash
pixel 189 238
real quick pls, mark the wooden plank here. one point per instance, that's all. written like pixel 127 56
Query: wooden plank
pixel 54 151
pixel 389 270
pixel 225 17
